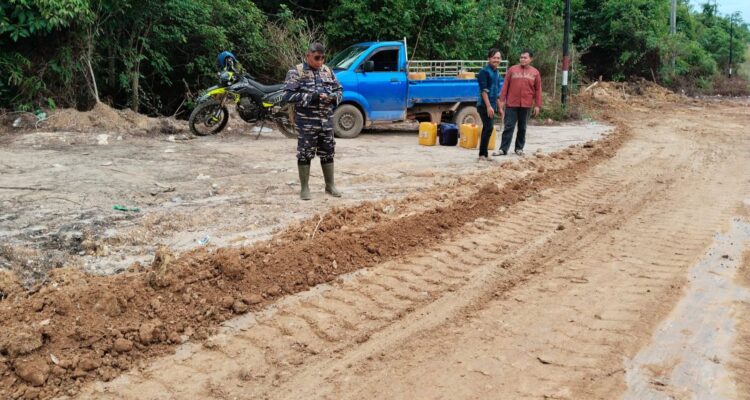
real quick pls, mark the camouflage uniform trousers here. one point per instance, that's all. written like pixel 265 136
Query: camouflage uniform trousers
pixel 315 130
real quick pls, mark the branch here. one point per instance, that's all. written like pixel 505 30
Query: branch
pixel 590 87
pixel 178 108
pixel 305 8
pixel 316 227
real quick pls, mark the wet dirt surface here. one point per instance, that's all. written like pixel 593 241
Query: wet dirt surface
pixel 693 344
pixel 528 279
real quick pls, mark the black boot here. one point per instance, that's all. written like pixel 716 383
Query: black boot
pixel 328 175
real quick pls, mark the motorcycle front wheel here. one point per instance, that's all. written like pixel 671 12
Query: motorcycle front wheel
pixel 208 118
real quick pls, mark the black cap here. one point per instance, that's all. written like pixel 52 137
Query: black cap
pixel 316 47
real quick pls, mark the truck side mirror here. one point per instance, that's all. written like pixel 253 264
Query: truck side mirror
pixel 369 66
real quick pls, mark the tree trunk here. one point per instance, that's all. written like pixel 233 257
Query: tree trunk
pixel 94 89
pixel 137 41
pixel 112 72
pixel 89 56
pixel 512 24
pixel 554 83
pixel 135 99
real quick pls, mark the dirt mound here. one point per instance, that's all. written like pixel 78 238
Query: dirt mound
pixel 607 92
pixel 9 285
pixel 103 118
pixel 354 218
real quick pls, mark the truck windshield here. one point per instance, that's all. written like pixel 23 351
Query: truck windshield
pixel 345 58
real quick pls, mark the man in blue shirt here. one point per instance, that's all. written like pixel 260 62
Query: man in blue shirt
pixel 489 101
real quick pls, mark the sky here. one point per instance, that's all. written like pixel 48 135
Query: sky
pixel 728 7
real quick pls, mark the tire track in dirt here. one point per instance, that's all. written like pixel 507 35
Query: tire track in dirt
pixel 690 347
pixel 457 258
pixel 570 348
pixel 79 319
pixel 550 313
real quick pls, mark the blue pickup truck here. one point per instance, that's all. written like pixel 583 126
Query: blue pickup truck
pixel 382 85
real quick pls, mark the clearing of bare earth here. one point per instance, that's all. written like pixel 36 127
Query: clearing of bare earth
pixel 557 275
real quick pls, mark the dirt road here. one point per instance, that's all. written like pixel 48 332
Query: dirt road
pixel 559 296
pixel 616 269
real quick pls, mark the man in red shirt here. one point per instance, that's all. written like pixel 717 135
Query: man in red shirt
pixel 522 89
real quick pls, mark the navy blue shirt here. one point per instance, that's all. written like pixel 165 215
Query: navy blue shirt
pixel 489 81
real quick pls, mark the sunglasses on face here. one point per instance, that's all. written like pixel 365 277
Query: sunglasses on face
pixel 319 58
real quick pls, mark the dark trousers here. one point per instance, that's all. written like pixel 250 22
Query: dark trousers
pixel 487 125
pixel 514 115
pixel 315 140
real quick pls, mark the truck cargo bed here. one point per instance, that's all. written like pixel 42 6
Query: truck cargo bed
pixel 442 90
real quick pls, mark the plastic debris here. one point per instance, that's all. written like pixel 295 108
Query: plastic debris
pixel 118 207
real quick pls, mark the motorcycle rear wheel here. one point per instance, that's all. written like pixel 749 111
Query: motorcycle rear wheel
pixel 283 120
pixel 208 118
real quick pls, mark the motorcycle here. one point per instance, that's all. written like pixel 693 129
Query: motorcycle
pixel 254 102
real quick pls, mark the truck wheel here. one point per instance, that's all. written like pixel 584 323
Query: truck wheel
pixel 347 121
pixel 467 115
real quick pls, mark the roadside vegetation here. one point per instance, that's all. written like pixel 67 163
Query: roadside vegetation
pixel 154 56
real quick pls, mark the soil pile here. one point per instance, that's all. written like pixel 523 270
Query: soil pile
pixel 617 92
pixel 102 118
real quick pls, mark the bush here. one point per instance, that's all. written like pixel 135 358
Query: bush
pixel 735 87
pixel 288 38
pixel 555 111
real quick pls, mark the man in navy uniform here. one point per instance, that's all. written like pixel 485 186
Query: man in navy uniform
pixel 316 92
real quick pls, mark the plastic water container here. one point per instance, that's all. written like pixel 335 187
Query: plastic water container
pixel 493 138
pixel 469 136
pixel 447 134
pixel 427 133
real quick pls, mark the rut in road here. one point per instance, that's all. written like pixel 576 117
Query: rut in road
pixel 545 299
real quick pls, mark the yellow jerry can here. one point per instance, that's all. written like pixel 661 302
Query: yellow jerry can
pixel 417 76
pixel 493 138
pixel 469 136
pixel 427 133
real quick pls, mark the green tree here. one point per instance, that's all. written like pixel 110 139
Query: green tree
pixel 462 29
pixel 36 26
pixel 147 54
pixel 161 44
pixel 433 28
pixel 622 38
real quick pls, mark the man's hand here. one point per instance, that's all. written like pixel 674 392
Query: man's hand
pixel 314 100
pixel 490 111
pixel 536 111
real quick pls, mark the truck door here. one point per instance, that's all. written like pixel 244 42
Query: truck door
pixel 385 86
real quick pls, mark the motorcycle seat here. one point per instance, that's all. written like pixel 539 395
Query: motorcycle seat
pixel 266 88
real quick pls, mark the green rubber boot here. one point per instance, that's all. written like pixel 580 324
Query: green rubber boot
pixel 304 178
pixel 328 175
